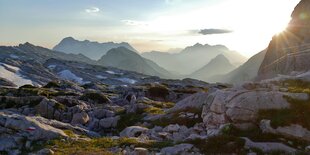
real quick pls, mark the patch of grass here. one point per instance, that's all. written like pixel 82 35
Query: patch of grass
pixel 153 110
pixel 98 145
pixel 52 84
pixel 257 135
pixel 158 91
pixel 298 113
pixel 222 144
pixel 176 119
pixel 127 120
pixel 158 104
pixel 95 96
pixel 69 133
pixel 185 91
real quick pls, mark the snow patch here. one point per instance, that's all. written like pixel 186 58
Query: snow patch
pixel 52 66
pixel 14 56
pixel 113 73
pixel 101 77
pixel 127 80
pixel 68 75
pixel 12 76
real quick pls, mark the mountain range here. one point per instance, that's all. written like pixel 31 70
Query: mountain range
pixel 193 58
pixel 93 50
pixel 219 65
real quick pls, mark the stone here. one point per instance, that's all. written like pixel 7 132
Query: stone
pixel 195 101
pixel 29 127
pixel 80 118
pixel 292 131
pixel 141 151
pixel 133 131
pixel 177 149
pixel 268 147
pixel 46 108
pixel 172 128
pixel 45 152
pixel 110 122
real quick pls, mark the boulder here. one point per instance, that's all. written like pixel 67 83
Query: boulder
pixel 29 127
pixel 172 128
pixel 133 131
pixel 292 131
pixel 268 147
pixel 195 101
pixel 177 149
pixel 80 118
pixel 46 108
pixel 110 122
pixel 240 106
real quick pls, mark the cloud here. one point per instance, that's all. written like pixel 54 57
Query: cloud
pixel 213 31
pixel 135 23
pixel 92 10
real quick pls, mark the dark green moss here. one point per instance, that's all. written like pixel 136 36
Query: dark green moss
pixel 95 96
pixel 52 84
pixel 158 92
pixel 222 144
pixel 298 113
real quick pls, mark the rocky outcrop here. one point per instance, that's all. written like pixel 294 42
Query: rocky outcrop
pixel 133 131
pixel 268 147
pixel 290 50
pixel 17 129
pixel 240 106
pixel 293 131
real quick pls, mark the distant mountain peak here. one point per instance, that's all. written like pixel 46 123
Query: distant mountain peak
pixel 92 49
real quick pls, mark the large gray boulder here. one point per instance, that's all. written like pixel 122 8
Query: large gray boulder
pixel 109 122
pixel 240 106
pixel 133 131
pixel 46 108
pixel 80 118
pixel 195 101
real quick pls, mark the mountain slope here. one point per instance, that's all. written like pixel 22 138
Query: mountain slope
pixel 289 51
pixel 219 65
pixel 126 59
pixel 247 71
pixel 193 57
pixel 93 50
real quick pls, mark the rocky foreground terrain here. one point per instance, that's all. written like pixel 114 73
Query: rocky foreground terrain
pixel 156 116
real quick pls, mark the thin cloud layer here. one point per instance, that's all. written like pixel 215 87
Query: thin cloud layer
pixel 92 10
pixel 214 31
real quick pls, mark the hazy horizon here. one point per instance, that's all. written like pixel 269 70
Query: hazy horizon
pixel 244 26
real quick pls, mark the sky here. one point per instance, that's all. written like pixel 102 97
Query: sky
pixel 246 26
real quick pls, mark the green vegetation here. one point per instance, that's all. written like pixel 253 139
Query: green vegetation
pixel 222 144
pixel 95 96
pixel 127 120
pixel 298 113
pixel 98 145
pixel 257 135
pixel 52 84
pixel 158 91
pixel 175 118
pixel 7 102
pixel 153 110
pixel 158 104
pixel 297 86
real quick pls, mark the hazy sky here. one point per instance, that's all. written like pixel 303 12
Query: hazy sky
pixel 243 25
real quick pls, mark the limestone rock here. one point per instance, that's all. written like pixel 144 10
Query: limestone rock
pixel 80 118
pixel 133 131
